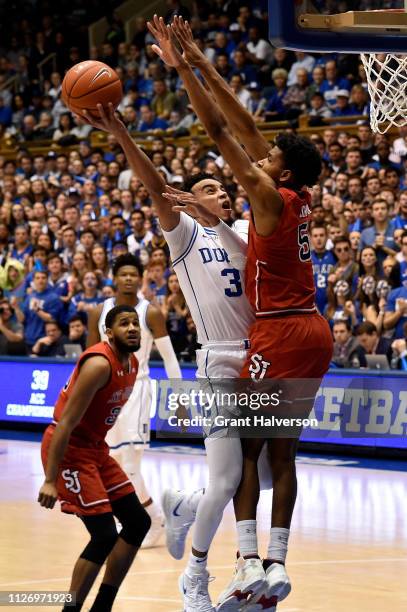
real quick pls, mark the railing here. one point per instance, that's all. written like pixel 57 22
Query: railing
pixel 268 129
pixel 52 57
pixel 11 83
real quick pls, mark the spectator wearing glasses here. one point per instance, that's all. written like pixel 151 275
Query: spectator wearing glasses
pixel 345 269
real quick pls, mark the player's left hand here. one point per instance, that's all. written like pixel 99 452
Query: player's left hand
pixel 186 202
pixel 166 48
pixel 48 495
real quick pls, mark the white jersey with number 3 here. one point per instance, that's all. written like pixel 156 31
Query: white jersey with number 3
pixel 212 287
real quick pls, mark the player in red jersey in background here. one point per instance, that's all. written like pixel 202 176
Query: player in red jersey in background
pixel 289 339
pixel 78 469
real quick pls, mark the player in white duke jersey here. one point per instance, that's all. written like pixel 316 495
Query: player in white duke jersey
pixel 209 262
pixel 128 438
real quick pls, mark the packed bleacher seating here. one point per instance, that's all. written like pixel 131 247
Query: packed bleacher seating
pixel 69 204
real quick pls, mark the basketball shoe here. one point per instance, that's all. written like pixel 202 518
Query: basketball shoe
pixel 276 588
pixel 194 590
pixel 178 519
pixel 247 583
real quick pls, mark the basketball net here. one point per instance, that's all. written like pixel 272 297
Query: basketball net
pixel 387 84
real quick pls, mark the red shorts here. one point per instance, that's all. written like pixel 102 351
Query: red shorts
pixel 289 347
pixel 89 479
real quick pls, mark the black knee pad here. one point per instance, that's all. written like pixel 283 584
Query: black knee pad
pixel 134 519
pixel 103 536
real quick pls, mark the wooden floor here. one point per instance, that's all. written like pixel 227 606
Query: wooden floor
pixel 348 550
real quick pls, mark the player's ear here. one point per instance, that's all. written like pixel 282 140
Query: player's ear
pixel 286 176
pixel 109 334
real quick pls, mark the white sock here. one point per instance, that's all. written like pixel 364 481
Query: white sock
pixel 196 565
pixel 247 537
pixel 278 544
pixel 193 500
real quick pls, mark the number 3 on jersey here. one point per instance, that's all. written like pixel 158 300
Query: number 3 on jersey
pixel 303 242
pixel 235 288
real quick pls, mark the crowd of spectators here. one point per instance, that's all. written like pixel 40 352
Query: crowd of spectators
pixel 65 216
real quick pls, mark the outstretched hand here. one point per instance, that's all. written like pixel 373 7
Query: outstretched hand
pixel 183 201
pixel 166 48
pixel 183 33
pixel 107 122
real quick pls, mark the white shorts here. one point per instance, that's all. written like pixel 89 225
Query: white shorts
pixel 217 361
pixel 133 423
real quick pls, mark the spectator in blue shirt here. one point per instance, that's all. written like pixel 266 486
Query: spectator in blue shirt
pixel 90 297
pixel 40 306
pixel 396 311
pixel 342 108
pixel 380 234
pixel 5 113
pixel 401 219
pixel 323 262
pixel 333 83
pixel 382 159
pixel 148 121
pixel 22 246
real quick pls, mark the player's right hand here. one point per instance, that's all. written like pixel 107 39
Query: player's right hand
pixel 183 32
pixel 48 495
pixel 109 120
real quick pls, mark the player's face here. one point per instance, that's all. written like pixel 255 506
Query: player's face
pixel 125 332
pixel 127 280
pixel 273 166
pixel 212 194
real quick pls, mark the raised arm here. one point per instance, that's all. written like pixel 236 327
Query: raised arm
pixel 265 199
pixel 138 161
pixel 239 119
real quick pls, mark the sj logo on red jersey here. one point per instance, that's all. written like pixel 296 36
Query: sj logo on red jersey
pixel 258 367
pixel 71 478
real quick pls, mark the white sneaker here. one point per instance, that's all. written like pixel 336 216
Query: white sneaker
pixel 276 588
pixel 178 520
pixel 155 532
pixel 248 582
pixel 278 582
pixel 194 589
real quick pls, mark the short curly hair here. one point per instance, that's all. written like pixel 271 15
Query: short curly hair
pixel 127 260
pixel 301 157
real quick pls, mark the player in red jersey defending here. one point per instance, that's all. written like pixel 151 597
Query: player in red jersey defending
pixel 289 339
pixel 78 469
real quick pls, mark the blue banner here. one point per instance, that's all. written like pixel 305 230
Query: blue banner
pixel 365 409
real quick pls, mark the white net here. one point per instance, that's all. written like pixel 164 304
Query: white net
pixel 387 83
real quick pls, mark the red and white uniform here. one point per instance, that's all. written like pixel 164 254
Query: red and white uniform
pixel 289 338
pixel 88 478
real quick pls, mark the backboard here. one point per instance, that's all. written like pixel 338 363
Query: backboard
pixel 304 25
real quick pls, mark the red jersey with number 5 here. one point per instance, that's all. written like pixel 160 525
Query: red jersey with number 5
pixel 107 402
pixel 279 277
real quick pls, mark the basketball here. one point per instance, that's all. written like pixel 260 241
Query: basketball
pixel 90 83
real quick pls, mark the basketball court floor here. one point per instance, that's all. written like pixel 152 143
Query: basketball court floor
pixel 348 549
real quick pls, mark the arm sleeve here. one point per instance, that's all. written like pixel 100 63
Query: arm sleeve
pixel 234 241
pixel 166 351
pixel 179 238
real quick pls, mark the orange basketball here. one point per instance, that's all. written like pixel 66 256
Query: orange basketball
pixel 90 83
